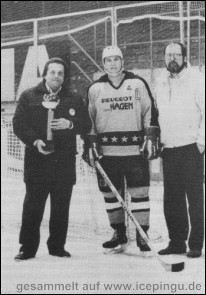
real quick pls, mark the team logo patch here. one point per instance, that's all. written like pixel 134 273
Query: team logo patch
pixel 137 94
pixel 72 112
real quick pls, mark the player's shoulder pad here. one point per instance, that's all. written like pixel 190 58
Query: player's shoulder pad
pixel 102 79
pixel 131 75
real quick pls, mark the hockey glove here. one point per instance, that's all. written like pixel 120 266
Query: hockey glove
pixel 92 150
pixel 150 149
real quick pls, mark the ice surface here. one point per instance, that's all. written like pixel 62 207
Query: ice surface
pixel 89 270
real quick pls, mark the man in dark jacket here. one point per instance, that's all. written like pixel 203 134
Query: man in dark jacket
pixel 47 172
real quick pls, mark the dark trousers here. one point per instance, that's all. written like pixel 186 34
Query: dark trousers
pixel 183 178
pixel 33 210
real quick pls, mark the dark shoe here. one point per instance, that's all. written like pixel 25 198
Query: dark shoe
pixel 60 253
pixel 173 250
pixel 23 256
pixel 119 238
pixel 194 253
pixel 141 243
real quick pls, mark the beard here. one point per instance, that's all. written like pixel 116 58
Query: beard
pixel 174 68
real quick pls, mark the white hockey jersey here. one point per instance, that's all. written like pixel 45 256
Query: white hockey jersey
pixel 120 114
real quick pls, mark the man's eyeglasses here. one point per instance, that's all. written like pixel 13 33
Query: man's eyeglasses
pixel 175 55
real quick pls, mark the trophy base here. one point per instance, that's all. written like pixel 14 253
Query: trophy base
pixel 49 147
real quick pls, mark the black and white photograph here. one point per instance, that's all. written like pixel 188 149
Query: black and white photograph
pixel 102 147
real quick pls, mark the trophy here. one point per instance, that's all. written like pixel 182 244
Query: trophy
pixel 50 102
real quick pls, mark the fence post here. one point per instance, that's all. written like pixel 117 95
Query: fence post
pixel 199 42
pixel 151 52
pixel 181 13
pixel 35 24
pixel 188 30
pixel 114 25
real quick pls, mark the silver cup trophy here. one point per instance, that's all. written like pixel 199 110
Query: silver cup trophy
pixel 50 102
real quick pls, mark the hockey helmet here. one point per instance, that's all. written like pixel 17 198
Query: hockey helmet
pixel 111 51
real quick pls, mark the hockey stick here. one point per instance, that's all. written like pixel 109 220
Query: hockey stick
pixel 174 267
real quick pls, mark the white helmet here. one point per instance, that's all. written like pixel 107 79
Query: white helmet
pixel 111 51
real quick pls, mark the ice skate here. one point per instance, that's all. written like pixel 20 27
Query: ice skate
pixel 144 248
pixel 117 244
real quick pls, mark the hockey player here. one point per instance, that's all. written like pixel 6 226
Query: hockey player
pixel 122 111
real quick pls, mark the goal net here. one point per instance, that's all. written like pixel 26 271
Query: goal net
pixel 87 204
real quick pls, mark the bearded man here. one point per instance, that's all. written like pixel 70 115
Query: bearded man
pixel 180 100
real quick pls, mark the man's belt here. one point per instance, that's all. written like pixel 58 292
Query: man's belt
pixel 121 138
